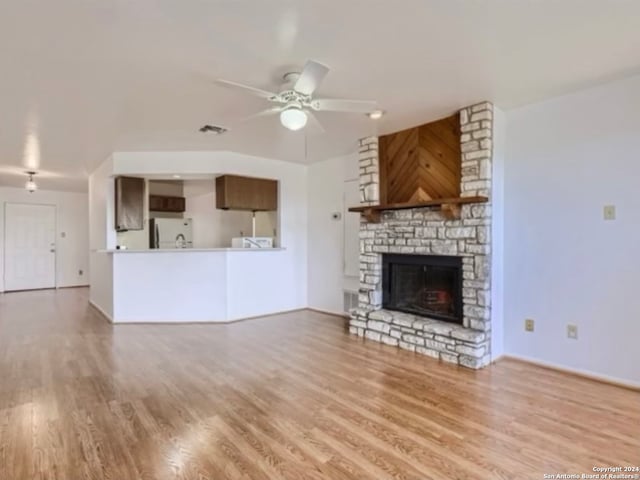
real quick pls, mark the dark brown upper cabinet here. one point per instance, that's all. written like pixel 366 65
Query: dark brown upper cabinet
pixel 129 203
pixel 163 203
pixel 234 192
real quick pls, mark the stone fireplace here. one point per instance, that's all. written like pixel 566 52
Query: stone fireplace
pixel 425 278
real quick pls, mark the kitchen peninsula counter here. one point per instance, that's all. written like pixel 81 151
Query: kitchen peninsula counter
pixel 195 285
pixel 190 250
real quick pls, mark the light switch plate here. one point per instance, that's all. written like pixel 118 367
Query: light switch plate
pixel 572 331
pixel 609 212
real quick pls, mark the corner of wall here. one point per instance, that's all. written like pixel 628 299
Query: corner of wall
pixel 497 234
pixel 325 234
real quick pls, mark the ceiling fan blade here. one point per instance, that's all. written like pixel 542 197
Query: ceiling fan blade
pixel 263 113
pixel 246 88
pixel 311 77
pixel 313 122
pixel 336 105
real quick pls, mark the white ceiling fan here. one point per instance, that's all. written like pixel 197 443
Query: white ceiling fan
pixel 295 102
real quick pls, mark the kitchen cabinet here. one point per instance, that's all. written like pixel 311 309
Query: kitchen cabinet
pixel 163 203
pixel 234 192
pixel 129 204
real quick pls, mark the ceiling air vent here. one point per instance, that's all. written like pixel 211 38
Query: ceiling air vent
pixel 216 130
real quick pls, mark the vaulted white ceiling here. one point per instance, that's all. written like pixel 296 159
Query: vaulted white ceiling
pixel 82 78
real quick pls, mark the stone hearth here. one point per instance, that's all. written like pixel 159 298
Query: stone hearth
pixel 426 231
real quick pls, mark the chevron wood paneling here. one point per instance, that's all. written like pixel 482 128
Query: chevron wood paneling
pixel 422 163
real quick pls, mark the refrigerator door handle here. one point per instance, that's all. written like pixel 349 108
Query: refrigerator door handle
pixel 157 245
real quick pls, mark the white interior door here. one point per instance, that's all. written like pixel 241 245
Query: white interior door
pixel 29 246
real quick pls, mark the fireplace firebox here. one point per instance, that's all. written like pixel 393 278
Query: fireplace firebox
pixel 426 285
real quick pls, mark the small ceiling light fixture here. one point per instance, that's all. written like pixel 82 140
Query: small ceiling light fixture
pixel 376 114
pixel 293 118
pixel 31 184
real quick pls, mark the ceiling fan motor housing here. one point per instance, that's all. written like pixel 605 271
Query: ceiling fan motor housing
pixel 294 99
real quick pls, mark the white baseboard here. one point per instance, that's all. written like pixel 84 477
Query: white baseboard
pixel 221 322
pixel 329 312
pixel 620 382
pixel 101 311
pixel 206 321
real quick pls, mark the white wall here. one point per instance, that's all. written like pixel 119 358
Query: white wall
pixel 267 225
pixel 566 158
pixel 326 189
pixel 169 188
pixel 72 232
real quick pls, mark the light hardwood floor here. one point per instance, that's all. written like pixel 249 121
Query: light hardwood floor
pixel 285 397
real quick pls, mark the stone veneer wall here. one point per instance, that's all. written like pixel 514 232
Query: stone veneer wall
pixel 427 231
pixel 369 171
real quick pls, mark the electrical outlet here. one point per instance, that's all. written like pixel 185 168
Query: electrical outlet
pixel 529 325
pixel 609 212
pixel 572 331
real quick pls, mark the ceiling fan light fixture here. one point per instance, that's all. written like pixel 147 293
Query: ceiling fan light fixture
pixel 376 114
pixel 31 185
pixel 293 118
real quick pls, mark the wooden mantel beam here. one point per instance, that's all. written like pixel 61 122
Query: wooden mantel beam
pixel 450 207
pixel 451 211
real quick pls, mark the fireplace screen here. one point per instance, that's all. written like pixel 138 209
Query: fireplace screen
pixel 427 285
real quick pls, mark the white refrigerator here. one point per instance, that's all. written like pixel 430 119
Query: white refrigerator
pixel 170 233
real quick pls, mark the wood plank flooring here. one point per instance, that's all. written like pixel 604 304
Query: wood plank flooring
pixel 285 397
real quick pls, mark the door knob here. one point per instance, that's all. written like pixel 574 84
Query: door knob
pixel 53 250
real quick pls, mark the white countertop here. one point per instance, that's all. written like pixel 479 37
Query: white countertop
pixel 189 250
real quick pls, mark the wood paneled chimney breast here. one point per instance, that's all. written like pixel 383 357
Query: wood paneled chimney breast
pixel 422 163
